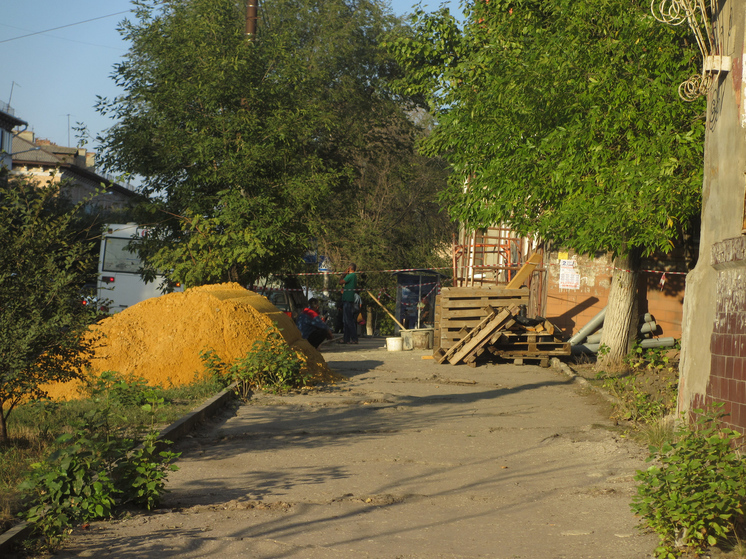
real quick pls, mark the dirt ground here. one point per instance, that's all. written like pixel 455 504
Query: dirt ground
pixel 408 459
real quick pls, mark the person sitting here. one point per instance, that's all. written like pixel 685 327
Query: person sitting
pixel 311 326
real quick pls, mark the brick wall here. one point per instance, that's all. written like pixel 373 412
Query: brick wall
pixel 572 309
pixel 727 382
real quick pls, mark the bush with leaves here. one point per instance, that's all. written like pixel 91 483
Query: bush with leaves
pixel 271 364
pixel 142 476
pixel 45 261
pixel 123 390
pixel 694 496
pixel 92 471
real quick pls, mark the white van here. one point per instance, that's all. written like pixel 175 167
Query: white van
pixel 119 282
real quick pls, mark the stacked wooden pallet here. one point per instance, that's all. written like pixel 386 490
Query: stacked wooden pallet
pixel 472 321
pixel 459 309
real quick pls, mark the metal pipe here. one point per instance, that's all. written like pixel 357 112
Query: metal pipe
pixel 648 327
pixel 251 17
pixel 657 342
pixel 584 349
pixel 589 328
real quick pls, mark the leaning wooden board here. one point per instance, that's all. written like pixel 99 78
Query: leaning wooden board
pixel 477 338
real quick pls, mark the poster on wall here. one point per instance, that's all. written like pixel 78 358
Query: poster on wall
pixel 569 276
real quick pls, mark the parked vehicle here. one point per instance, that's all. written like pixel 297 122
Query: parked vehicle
pixel 285 293
pixel 119 282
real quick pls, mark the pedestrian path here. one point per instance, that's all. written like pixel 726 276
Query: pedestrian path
pixel 407 459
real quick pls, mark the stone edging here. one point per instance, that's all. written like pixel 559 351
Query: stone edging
pixel 564 367
pixel 174 432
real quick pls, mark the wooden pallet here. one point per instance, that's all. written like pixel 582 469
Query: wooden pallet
pixel 461 309
pixel 528 344
pixel 478 337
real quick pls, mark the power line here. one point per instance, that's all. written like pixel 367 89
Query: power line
pixel 62 27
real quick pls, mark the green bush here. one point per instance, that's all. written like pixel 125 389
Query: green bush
pixel 271 364
pixel 693 497
pixel 115 388
pixel 142 476
pixel 90 472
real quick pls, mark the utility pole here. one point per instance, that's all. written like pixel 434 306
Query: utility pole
pixel 252 7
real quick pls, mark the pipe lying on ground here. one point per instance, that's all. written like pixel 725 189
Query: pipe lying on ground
pixel 646 330
pixel 595 338
pixel 589 328
pixel 645 344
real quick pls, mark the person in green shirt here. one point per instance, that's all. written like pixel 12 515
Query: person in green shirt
pixel 348 305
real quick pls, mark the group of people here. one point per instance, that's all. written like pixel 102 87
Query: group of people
pixel 315 330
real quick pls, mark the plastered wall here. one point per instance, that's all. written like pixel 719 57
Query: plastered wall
pixel 714 327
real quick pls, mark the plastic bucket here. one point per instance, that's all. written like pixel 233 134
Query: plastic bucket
pixel 394 344
pixel 422 339
pixel 407 343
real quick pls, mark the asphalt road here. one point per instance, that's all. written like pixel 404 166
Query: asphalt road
pixel 409 459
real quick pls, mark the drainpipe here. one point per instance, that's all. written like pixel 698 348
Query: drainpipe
pixel 645 344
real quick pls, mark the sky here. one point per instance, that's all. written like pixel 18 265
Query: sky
pixel 58 56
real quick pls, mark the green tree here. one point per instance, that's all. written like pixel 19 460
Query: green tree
pixel 389 215
pixel 45 261
pixel 562 119
pixel 244 145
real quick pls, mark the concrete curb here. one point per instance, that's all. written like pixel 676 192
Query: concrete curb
pixel 565 368
pixel 182 427
pixel 174 432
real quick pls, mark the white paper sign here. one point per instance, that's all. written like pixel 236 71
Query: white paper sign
pixel 569 276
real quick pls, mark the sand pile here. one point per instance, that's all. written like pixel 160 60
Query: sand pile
pixel 160 339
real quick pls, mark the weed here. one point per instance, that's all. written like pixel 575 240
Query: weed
pixel 651 359
pixel 72 485
pixel 647 389
pixel 639 399
pixel 36 425
pixel 91 471
pixel 271 365
pixel 694 496
pixel 117 389
pixel 656 433
pixel 737 547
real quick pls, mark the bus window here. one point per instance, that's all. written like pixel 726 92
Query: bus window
pixel 117 258
pixel 119 282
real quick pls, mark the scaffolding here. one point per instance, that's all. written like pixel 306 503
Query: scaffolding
pixel 492 256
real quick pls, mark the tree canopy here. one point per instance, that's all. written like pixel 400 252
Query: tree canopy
pixel 248 148
pixel 562 118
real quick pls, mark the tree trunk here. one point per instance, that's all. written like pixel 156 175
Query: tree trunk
pixel 3 427
pixel 619 320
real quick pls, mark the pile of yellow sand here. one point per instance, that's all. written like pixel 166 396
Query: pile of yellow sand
pixel 160 339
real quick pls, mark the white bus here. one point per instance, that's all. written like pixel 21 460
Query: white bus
pixel 119 282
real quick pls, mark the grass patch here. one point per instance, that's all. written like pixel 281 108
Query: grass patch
pixel 33 427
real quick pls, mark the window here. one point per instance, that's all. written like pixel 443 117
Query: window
pixel 117 258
